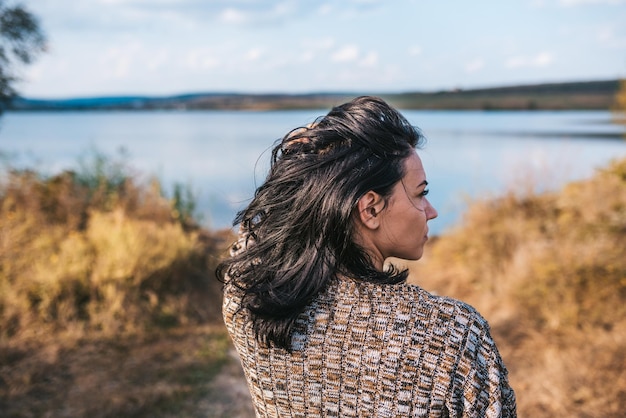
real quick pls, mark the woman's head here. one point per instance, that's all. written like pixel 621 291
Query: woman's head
pixel 307 219
pixel 320 172
pixel 396 225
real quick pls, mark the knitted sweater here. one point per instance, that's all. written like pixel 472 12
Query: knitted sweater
pixel 370 350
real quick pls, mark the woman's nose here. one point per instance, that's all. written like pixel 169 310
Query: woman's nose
pixel 431 212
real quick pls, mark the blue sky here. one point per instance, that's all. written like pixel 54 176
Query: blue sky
pixel 164 47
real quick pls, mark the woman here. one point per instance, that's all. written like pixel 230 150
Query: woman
pixel 322 325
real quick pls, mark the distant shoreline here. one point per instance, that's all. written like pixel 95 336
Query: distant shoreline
pixel 584 95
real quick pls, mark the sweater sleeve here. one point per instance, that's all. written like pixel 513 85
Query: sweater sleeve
pixel 480 386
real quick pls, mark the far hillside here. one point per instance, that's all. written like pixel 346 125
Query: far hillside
pixel 585 95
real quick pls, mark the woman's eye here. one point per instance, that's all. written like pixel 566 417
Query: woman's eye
pixel 424 193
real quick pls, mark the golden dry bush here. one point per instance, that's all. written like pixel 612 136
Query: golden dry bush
pixel 108 301
pixel 102 258
pixel 134 267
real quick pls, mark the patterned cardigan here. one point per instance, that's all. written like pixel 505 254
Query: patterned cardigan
pixel 370 350
pixel 374 350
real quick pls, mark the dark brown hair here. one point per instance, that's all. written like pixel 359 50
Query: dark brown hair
pixel 300 219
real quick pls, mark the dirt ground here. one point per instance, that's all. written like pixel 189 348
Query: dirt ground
pixel 186 373
pixel 228 392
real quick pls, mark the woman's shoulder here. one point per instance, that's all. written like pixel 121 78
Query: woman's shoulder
pixel 411 299
pixel 446 306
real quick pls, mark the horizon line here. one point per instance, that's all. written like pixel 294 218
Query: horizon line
pixel 309 93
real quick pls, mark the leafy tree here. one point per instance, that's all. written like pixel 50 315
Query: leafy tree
pixel 21 40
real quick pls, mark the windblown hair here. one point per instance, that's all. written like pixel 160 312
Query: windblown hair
pixel 300 222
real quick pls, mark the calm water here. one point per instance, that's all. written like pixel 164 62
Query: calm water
pixel 222 156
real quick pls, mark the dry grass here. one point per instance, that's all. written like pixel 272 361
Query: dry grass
pixel 549 272
pixel 108 301
pixel 109 260
pixel 136 375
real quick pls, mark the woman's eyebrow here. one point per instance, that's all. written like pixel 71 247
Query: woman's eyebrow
pixel 424 183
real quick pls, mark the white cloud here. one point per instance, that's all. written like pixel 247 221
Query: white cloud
pixel 254 54
pixel 542 59
pixel 253 13
pixel 233 16
pixel 276 64
pixel 325 9
pixel 184 40
pixel 516 62
pixel 346 54
pixel 475 65
pixel 415 50
pixel 283 9
pixel 117 61
pixel 201 59
pixel 307 56
pixel 157 59
pixel 370 60
pixel 607 37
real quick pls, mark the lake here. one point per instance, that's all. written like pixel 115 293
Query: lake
pixel 223 155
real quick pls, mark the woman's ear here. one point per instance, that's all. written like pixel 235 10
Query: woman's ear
pixel 369 207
